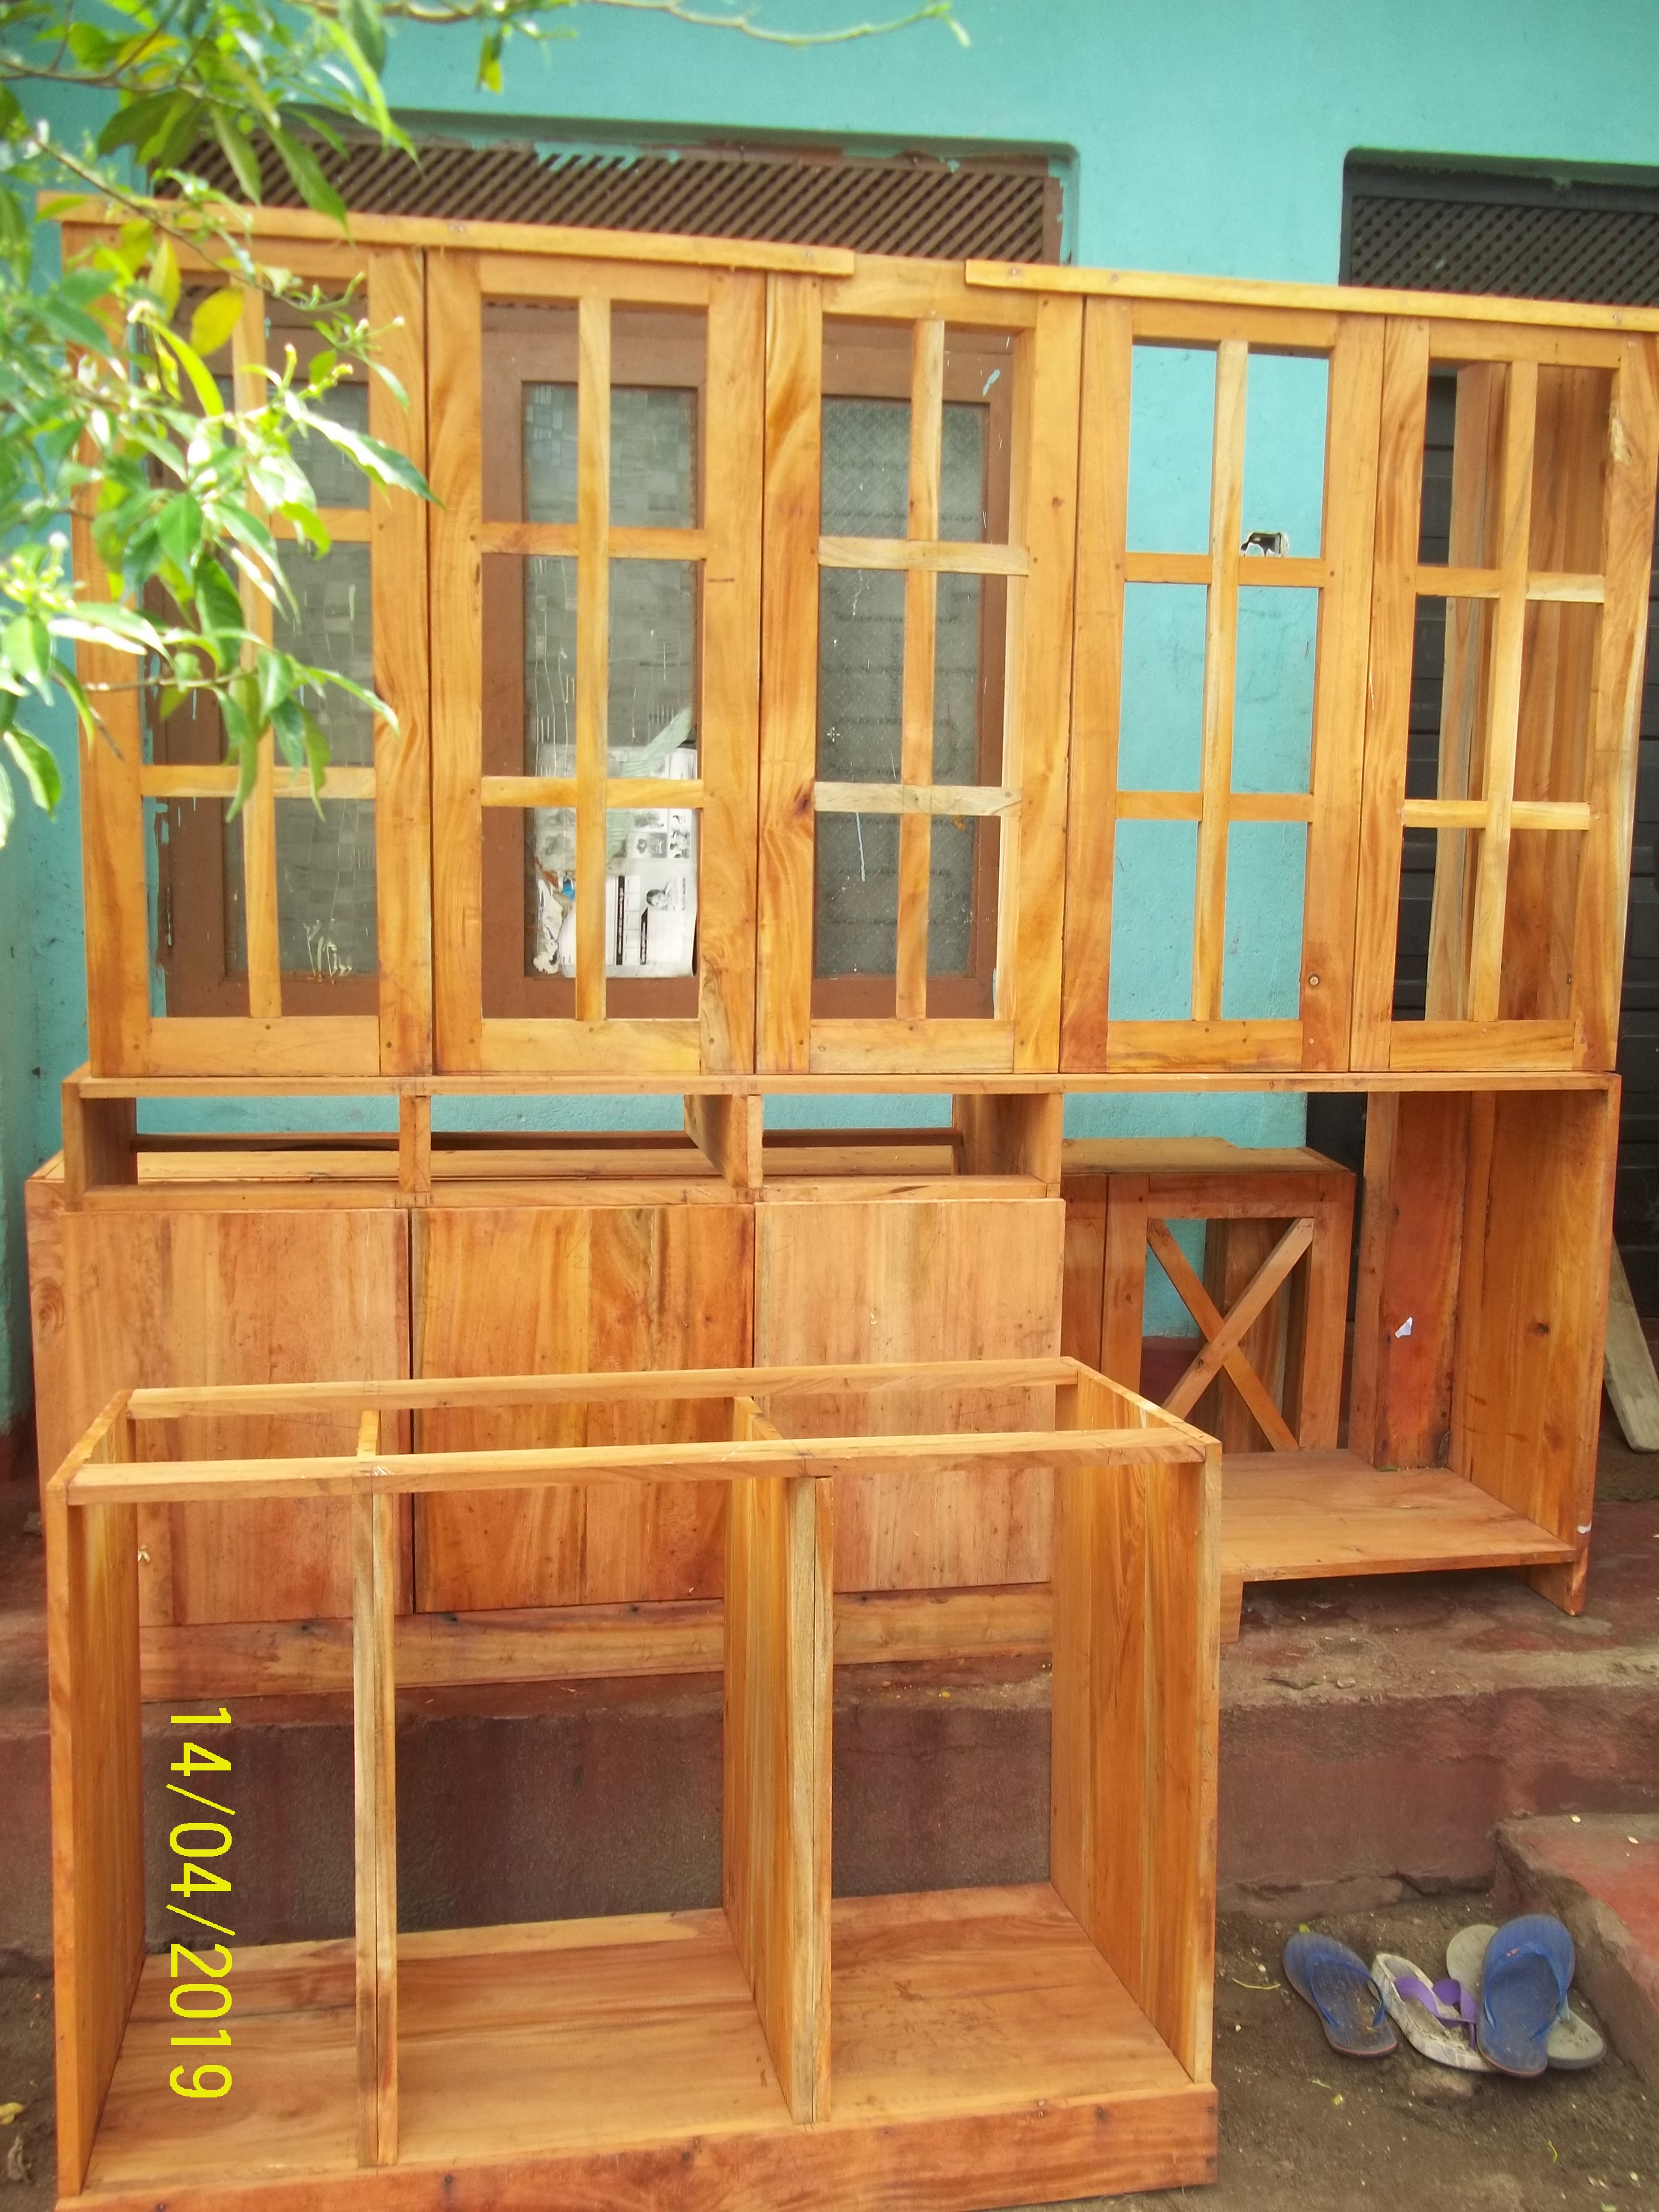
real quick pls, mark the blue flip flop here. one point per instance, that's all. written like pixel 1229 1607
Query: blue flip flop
pixel 1334 1980
pixel 1525 1977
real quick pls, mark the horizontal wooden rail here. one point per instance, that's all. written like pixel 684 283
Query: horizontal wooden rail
pixel 1238 806
pixel 1285 570
pixel 624 543
pixel 1444 583
pixel 209 780
pixel 441 1394
pixel 620 790
pixel 948 557
pixel 346 526
pixel 183 1482
pixel 913 798
pixel 1471 814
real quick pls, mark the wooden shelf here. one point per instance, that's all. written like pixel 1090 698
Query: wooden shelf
pixel 1286 1517
pixel 959 2016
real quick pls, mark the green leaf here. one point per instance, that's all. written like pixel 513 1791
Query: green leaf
pixel 178 526
pixel 215 319
pixel 8 805
pixel 26 648
pixel 39 769
pixel 135 121
pixel 237 150
pixel 361 18
pixel 207 391
pixel 489 61
pixel 164 275
pixel 312 185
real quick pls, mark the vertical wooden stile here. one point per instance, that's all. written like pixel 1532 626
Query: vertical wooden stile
pixel 455 400
pixel 730 718
pixel 1220 655
pixel 1328 952
pixel 1042 516
pixel 414 1147
pixel 1503 709
pixel 728 1132
pixel 1628 480
pixel 402 757
pixel 1404 415
pixel 789 671
pixel 373 1604
pixel 1102 501
pixel 593 646
pixel 97 1795
pixel 775 1810
pixel 920 631
pixel 264 967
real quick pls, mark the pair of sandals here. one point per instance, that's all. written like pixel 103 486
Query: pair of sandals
pixel 1503 2008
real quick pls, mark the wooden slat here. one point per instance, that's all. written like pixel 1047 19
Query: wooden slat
pixel 776 1731
pixel 1030 917
pixel 265 966
pixel 1538 1045
pixel 1097 682
pixel 1136 1664
pixel 789 674
pixel 346 526
pixel 1234 1324
pixel 729 725
pixel 1274 570
pixel 373 1603
pixel 1214 1045
pixel 455 341
pixel 281 1047
pixel 184 780
pixel 924 555
pixel 97 1798
pixel 941 1047
pixel 920 640
pixel 1504 707
pixel 1535 317
pixel 977 799
pixel 767 1379
pixel 622 791
pixel 1404 413
pixel 1325 996
pixel 1628 480
pixel 1221 654
pixel 627 543
pixel 231 1479
pixel 592 647
pixel 402 630
pixel 1471 814
pixel 1628 1364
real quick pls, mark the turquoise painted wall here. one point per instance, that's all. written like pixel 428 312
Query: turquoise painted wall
pixel 1205 135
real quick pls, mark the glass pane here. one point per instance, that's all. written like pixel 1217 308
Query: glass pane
pixel 335 478
pixel 961 484
pixel 856 894
pixel 1570 438
pixel 653 458
pixel 549 452
pixel 860 675
pixel 1171 431
pixel 1161 733
pixel 334 626
pixel 957 680
pixel 1273 690
pixel 653 647
pixel 1153 878
pixel 866 468
pixel 552 833
pixel 549 665
pixel 1284 450
pixel 1261 955
pixel 326 904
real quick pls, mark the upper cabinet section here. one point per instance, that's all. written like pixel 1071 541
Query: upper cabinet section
pixel 814 665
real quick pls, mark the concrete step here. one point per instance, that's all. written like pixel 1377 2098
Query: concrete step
pixel 1374 1733
pixel 1600 1874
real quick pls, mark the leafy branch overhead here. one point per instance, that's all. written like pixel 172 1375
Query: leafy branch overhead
pixel 119 419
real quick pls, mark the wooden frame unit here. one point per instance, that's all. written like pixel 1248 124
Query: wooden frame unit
pixel 524 2062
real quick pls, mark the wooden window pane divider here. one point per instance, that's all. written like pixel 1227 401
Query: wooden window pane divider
pixel 971 798
pixel 945 556
pixel 622 542
pixel 622 792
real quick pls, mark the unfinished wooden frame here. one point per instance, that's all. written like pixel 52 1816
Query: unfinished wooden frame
pixel 729 2074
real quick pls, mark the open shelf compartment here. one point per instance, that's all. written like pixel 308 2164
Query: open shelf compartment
pixel 993 2046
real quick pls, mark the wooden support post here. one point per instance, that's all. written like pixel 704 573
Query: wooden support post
pixel 727 1131
pixel 374 1602
pixel 99 1137
pixel 1011 1132
pixel 776 1806
pixel 1136 1667
pixel 97 1796
pixel 414 1147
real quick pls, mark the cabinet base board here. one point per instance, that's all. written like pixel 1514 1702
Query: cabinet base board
pixel 984 2054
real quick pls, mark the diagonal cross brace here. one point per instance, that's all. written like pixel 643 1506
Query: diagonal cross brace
pixel 1224 1332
